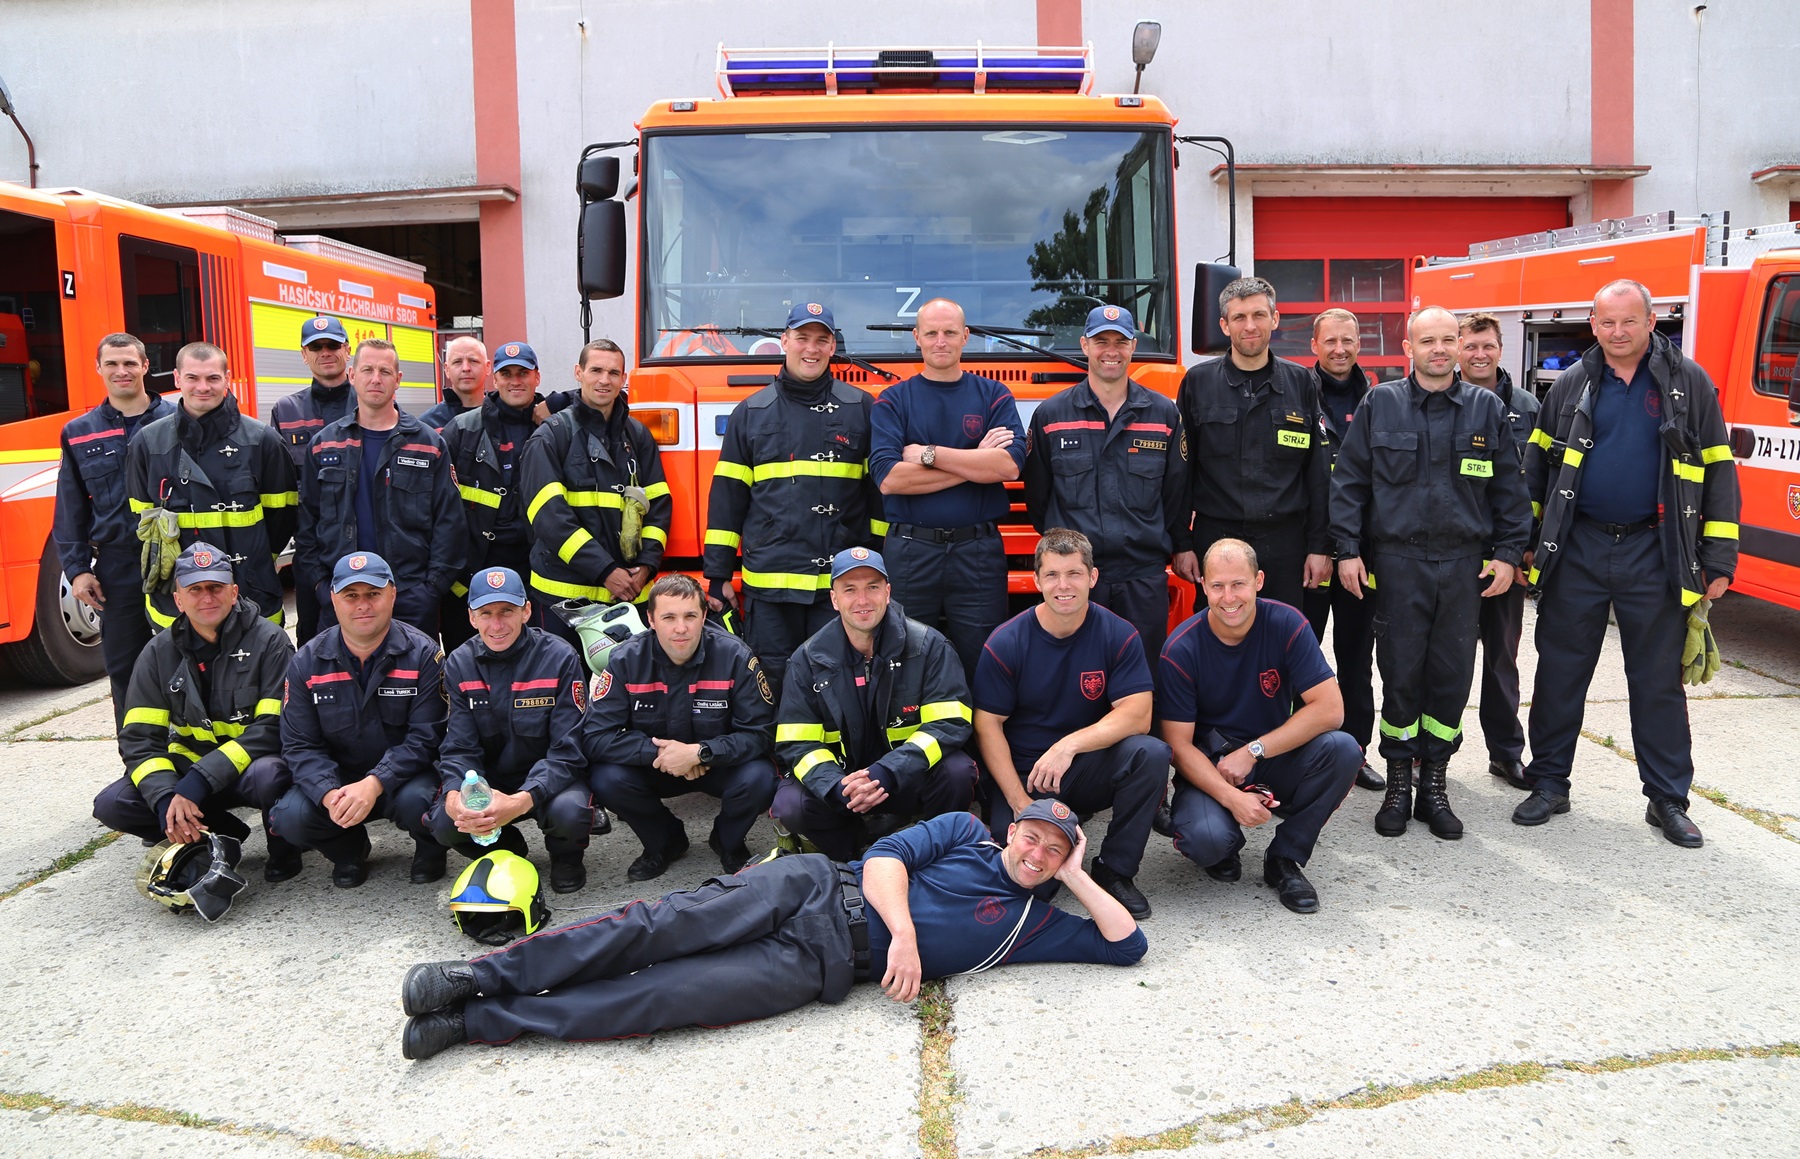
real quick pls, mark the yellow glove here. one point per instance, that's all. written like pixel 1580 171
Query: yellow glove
pixel 1700 651
pixel 631 523
pixel 160 532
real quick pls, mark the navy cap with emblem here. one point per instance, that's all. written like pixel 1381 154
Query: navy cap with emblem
pixel 322 328
pixel 201 562
pixel 361 567
pixel 1056 813
pixel 515 354
pixel 805 312
pixel 1115 318
pixel 494 585
pixel 852 558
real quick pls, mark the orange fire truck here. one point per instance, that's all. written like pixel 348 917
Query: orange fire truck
pixel 1730 298
pixel 75 266
pixel 876 180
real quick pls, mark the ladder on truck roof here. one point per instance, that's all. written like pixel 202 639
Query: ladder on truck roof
pixel 1726 248
pixel 834 69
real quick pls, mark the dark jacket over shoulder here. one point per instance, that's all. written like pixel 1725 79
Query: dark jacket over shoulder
pixel 506 711
pixel 91 507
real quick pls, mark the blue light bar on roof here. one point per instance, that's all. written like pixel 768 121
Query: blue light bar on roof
pixel 832 70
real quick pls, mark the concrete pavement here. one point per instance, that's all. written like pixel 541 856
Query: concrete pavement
pixel 1589 940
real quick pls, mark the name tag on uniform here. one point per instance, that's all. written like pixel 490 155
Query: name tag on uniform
pixel 1480 468
pixel 409 461
pixel 709 705
pixel 534 702
pixel 386 690
pixel 1301 439
pixel 1149 444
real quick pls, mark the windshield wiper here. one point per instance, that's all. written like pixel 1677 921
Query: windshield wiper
pixel 1004 334
pixel 767 332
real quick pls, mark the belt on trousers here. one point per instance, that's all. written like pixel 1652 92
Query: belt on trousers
pixel 944 534
pixel 1620 530
pixel 856 919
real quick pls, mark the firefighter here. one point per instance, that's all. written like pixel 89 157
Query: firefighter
pixel 96 534
pixel 682 708
pixel 1503 617
pixel 363 718
pixel 223 476
pixel 595 496
pixel 1108 458
pixel 203 717
pixel 484 444
pixel 945 444
pixel 1427 486
pixel 1631 471
pixel 874 715
pixel 514 691
pixel 378 481
pixel 466 370
pixel 795 468
pixel 1261 470
pixel 1063 698
pixel 1336 341
pixel 325 348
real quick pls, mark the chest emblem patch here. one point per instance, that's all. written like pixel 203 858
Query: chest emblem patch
pixel 1269 682
pixel 1093 684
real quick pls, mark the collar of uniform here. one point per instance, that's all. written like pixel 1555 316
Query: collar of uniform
pixel 1357 379
pixel 329 644
pixel 324 393
pixel 408 425
pixel 1083 396
pixel 890 638
pixel 521 648
pixel 230 630
pixel 1455 392
pixel 492 409
pixel 214 423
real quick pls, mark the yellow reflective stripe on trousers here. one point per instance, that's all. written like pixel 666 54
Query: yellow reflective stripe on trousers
pixel 927 744
pixel 789 580
pixel 736 472
pixel 729 539
pixel 944 710
pixel 1719 529
pixel 237 754
pixel 155 717
pixel 1688 471
pixel 808 467
pixel 477 495
pixel 1398 731
pixel 1718 454
pixel 577 540
pixel 1439 729
pixel 153 765
pixel 811 761
pixel 270 706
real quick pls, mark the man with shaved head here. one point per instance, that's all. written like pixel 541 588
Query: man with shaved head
pixel 1428 497
pixel 944 444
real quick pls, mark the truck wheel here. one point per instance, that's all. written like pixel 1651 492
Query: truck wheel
pixel 64 645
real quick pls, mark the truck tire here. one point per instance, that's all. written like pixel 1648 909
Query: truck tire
pixel 64 645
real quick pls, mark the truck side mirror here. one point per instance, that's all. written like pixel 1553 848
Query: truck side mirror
pixel 603 248
pixel 1204 334
pixel 599 178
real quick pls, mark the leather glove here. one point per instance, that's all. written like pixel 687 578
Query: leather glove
pixel 631 523
pixel 160 533
pixel 1700 651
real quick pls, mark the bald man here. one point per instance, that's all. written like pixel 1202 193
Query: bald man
pixel 1428 495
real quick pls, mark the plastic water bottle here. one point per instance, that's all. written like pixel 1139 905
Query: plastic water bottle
pixel 476 796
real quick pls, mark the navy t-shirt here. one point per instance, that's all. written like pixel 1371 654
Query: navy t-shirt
pixel 368 527
pixel 1244 690
pixel 970 915
pixel 943 414
pixel 1619 478
pixel 1048 688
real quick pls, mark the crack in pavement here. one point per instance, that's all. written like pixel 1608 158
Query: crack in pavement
pixel 1776 823
pixel 67 861
pixel 12 734
pixel 938 1093
pixel 1231 1125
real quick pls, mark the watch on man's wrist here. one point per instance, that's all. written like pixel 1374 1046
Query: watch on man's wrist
pixel 1256 750
pixel 928 457
pixel 706 754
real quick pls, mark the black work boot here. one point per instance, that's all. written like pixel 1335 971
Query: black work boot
pixel 430 861
pixel 568 873
pixel 1433 805
pixel 1396 807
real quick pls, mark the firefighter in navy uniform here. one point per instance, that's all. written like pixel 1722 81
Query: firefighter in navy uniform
pixel 1503 617
pixel 466 370
pixel 377 480
pixel 682 708
pixel 299 416
pixel 791 490
pixel 873 719
pixel 1633 476
pixel 224 477
pixel 594 493
pixel 1261 471
pixel 203 717
pixel 485 443
pixel 363 718
pixel 514 691
pixel 96 534
pixel 1427 487
pixel 1336 341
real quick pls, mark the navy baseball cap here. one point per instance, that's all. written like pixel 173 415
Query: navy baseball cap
pixel 496 585
pixel 804 312
pixel 1058 814
pixel 1115 318
pixel 201 562
pixel 361 567
pixel 852 558
pixel 515 354
pixel 321 328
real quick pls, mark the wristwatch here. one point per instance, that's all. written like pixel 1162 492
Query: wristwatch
pixel 928 457
pixel 706 754
pixel 1256 749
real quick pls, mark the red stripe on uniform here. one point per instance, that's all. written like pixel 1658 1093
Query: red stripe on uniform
pixel 291 425
pixel 1157 427
pixel 405 674
pixel 472 686
pixel 326 446
pixel 713 684
pixel 427 448
pixel 88 438
pixel 1076 425
pixel 327 678
pixel 528 685
pixel 659 686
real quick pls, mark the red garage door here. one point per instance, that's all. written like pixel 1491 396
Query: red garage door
pixel 1356 253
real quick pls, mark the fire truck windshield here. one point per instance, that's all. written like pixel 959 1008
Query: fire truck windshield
pixel 1024 227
